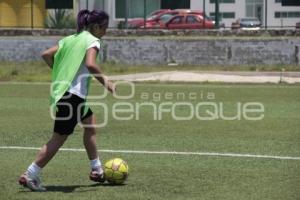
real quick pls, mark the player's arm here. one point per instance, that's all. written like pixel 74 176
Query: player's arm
pixel 48 55
pixel 95 70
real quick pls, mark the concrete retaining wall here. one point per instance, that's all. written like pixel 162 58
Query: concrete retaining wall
pixel 151 50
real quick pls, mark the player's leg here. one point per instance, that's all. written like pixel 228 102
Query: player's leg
pixel 89 137
pixel 65 122
pixel 90 144
pixel 50 149
pixel 31 178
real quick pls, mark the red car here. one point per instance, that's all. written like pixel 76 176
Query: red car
pixel 186 21
pixel 158 20
pixel 139 22
pixel 161 20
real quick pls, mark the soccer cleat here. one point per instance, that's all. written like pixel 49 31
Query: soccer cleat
pixel 33 183
pixel 97 175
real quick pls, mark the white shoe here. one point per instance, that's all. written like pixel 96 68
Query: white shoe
pixel 97 175
pixel 33 183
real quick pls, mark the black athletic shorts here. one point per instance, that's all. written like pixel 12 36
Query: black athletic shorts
pixel 67 113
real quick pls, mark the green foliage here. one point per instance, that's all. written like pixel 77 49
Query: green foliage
pixel 61 19
pixel 121 25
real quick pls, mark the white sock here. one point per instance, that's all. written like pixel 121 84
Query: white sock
pixel 34 169
pixel 95 164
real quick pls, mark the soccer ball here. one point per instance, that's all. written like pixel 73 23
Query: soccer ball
pixel 116 171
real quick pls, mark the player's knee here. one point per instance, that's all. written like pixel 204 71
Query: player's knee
pixel 90 130
pixel 89 121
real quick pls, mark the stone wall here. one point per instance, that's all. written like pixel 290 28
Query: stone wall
pixel 156 32
pixel 157 50
pixel 197 52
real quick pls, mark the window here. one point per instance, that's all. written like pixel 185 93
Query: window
pixel 228 15
pixel 174 4
pixel 165 17
pixel 293 14
pixel 277 1
pixel 135 8
pixel 191 19
pixel 222 1
pixel 177 20
pixel 290 3
pixel 57 4
pixel 254 8
pixel 120 11
pixel 287 14
pixel 255 1
pixel 225 15
pixel 99 4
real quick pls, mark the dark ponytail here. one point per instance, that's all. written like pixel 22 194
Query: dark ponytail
pixel 82 20
pixel 86 18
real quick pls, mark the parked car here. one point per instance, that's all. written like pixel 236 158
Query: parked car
pixel 138 22
pixel 189 21
pixel 161 20
pixel 247 23
pixel 158 20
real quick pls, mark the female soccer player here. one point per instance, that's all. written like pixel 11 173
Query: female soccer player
pixel 73 61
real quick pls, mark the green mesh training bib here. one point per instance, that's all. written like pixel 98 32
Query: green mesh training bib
pixel 67 60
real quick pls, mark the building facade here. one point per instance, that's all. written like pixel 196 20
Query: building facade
pixel 22 13
pixel 270 12
pixel 33 13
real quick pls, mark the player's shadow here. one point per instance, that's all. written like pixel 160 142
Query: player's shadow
pixel 69 188
pixel 72 188
pixel 112 185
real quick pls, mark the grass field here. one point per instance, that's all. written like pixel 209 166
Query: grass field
pixel 25 122
pixel 38 71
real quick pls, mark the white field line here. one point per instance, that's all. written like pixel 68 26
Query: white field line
pixel 166 153
pixel 164 84
pixel 23 83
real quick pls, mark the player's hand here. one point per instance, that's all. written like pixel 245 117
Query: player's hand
pixel 111 87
